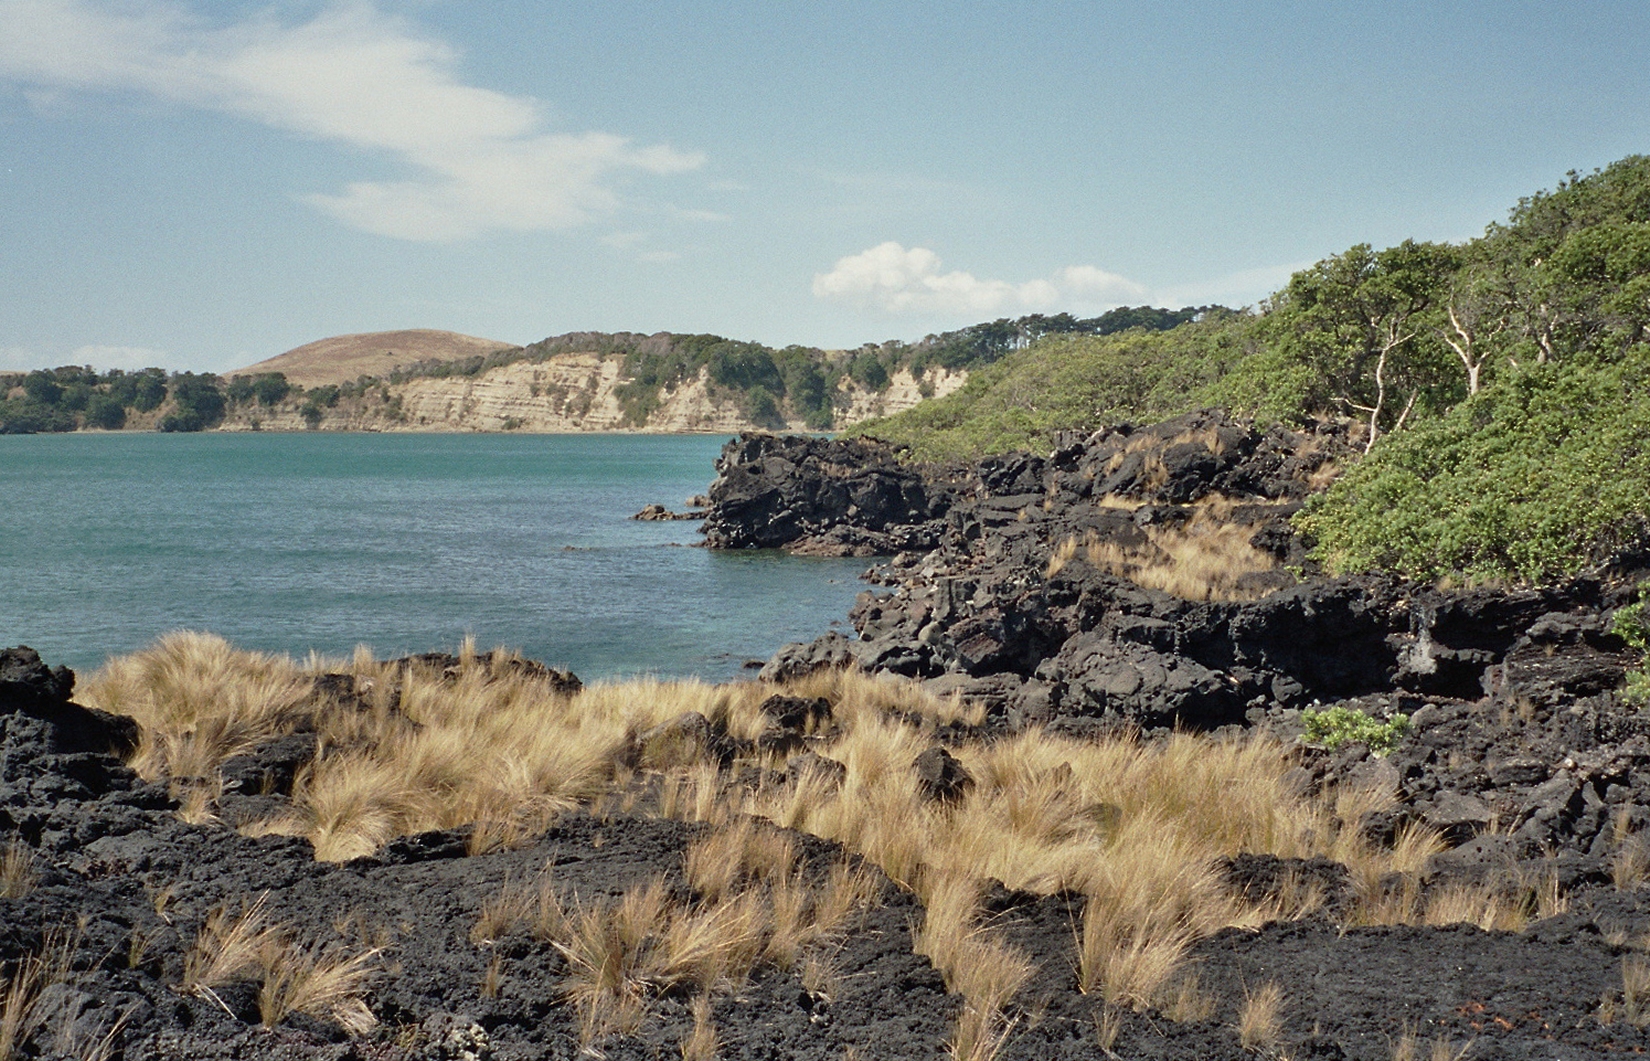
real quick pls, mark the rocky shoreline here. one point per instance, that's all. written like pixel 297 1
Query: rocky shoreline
pixel 1052 592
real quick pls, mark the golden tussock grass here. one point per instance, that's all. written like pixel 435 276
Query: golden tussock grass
pixel 17 873
pixel 199 701
pixel 1137 828
pixel 702 1043
pixel 1260 1020
pixel 1408 1047
pixel 21 1013
pixel 1204 558
pixel 316 979
pixel 1632 1003
pixel 749 906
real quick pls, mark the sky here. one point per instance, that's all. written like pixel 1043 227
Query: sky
pixel 201 185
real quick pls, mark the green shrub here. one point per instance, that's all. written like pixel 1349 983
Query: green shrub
pixel 1537 477
pixel 1066 382
pixel 1632 625
pixel 1335 726
pixel 105 411
pixel 199 400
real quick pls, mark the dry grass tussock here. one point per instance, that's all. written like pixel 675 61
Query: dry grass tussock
pixel 747 904
pixel 27 1009
pixel 492 745
pixel 199 701
pixel 17 872
pixel 1207 557
pixel 1260 1020
pixel 319 979
pixel 1137 828
pixel 1408 1047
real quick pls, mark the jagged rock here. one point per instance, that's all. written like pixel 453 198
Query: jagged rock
pixel 1134 683
pixel 814 765
pixel 658 513
pixel 1458 816
pixel 773 491
pixel 1560 657
pixel 271 768
pixel 797 713
pixel 564 682
pixel 798 660
pixel 38 718
pixel 940 776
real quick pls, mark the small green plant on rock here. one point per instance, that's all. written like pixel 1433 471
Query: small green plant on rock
pixel 1632 625
pixel 1335 726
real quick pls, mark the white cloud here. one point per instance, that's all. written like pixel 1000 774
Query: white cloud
pixel 351 75
pixel 895 279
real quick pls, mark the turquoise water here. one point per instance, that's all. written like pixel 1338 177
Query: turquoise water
pixel 301 542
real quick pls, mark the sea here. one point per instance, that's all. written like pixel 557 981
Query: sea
pixel 320 542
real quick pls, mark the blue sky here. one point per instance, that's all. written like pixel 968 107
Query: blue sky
pixel 203 185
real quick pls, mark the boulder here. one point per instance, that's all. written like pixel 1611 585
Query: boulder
pixel 940 776
pixel 773 491
pixel 798 659
pixel 38 718
pixel 1140 685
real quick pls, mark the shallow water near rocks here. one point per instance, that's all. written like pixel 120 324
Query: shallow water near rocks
pixel 318 542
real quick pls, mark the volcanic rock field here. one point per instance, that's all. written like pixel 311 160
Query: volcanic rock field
pixel 1077 788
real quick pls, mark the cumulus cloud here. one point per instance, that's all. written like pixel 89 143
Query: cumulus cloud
pixel 481 160
pixel 896 279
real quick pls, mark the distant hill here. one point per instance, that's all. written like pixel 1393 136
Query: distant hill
pixel 344 358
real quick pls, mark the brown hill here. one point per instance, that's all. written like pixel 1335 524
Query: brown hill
pixel 344 357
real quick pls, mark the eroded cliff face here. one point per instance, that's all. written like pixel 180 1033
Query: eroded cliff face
pixel 565 393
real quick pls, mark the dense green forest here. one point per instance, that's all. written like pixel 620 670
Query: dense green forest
pixel 770 385
pixel 1501 387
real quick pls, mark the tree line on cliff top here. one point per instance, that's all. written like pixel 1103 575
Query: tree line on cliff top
pixel 1500 388
pixel 771 386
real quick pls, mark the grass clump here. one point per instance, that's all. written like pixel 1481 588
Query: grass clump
pixel 17 873
pixel 1204 558
pixel 1335 726
pixel 1134 830
pixel 315 979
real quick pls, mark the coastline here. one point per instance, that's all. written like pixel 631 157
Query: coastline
pixel 1405 813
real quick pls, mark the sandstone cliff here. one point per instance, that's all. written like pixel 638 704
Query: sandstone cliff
pixel 563 393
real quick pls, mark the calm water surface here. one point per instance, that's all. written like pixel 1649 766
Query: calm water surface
pixel 406 543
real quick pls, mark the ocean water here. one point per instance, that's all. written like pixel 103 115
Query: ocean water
pixel 319 542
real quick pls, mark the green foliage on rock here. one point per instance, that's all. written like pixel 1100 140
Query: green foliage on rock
pixel 1631 623
pixel 267 389
pixel 1065 382
pixel 1334 727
